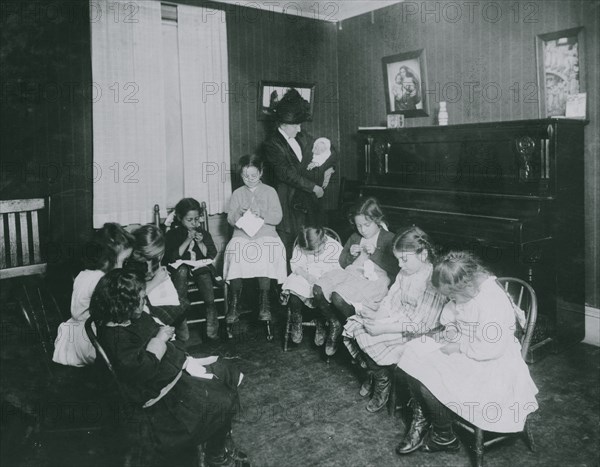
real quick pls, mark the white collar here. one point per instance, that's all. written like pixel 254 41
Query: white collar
pixel 283 133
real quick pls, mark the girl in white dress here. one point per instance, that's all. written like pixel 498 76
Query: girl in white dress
pixel 109 248
pixel 476 369
pixel 250 254
pixel 315 254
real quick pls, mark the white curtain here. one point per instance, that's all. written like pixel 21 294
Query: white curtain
pixel 128 111
pixel 205 110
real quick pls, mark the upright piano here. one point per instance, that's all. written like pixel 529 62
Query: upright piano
pixel 511 192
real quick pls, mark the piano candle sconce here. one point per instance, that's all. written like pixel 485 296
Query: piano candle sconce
pixel 525 148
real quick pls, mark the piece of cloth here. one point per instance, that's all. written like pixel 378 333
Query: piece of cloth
pixel 487 383
pixel 263 199
pixel 353 287
pixel 313 263
pixel 351 283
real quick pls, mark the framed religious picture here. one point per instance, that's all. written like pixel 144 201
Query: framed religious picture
pixel 559 57
pixel 405 78
pixel 270 92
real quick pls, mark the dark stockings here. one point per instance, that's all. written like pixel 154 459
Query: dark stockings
pixel 437 413
pixel 264 283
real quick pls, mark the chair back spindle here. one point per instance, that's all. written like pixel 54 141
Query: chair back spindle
pixel 20 253
pixel 522 296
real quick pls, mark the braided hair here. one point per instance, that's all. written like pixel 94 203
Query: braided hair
pixel 311 238
pixel 415 240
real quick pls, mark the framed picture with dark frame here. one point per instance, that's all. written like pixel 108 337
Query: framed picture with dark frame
pixel 560 71
pixel 405 78
pixel 270 92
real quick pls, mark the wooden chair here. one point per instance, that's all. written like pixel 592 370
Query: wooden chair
pixel 20 253
pixel 196 314
pixel 21 227
pixel 522 296
pixel 312 323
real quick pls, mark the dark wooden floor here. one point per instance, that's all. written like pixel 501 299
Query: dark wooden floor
pixel 297 410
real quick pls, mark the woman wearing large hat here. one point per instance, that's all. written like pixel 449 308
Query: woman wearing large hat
pixel 288 151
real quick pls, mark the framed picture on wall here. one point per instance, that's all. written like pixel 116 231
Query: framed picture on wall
pixel 405 78
pixel 270 92
pixel 559 57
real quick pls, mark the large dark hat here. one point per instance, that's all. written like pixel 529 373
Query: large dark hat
pixel 292 108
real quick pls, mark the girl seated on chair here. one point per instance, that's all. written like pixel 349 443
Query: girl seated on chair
pixel 315 254
pixel 109 248
pixel 187 240
pixel 476 369
pixel 165 303
pixel 261 255
pixel 412 306
pixel 189 401
pixel 369 267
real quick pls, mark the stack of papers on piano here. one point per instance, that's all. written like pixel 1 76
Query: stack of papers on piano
pixel 200 263
pixel 250 223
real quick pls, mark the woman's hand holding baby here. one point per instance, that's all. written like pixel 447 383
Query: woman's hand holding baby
pixel 327 176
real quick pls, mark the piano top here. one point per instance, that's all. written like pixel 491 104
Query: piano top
pixel 454 193
pixel 485 125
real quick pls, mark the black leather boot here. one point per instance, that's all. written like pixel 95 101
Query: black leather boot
pixel 381 390
pixel 233 311
pixel 366 388
pixel 320 333
pixel 264 313
pixel 413 439
pixel 296 305
pixel 333 339
pixel 438 440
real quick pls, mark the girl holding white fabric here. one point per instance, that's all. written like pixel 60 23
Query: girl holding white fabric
pixel 477 371
pixel 253 254
pixel 315 254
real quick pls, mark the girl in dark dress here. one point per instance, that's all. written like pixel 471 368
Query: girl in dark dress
pixel 189 401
